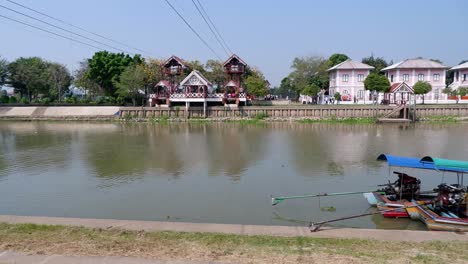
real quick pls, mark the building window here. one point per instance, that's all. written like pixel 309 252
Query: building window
pixel 420 77
pixel 345 77
pixel 360 77
pixel 391 78
pixel 361 94
pixel 465 77
pixel 405 77
pixel 345 91
pixel 436 77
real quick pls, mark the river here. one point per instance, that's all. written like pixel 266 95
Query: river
pixel 215 173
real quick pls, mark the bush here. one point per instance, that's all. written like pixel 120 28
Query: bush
pixel 12 100
pixel 45 100
pixel 337 96
pixel 4 99
pixel 24 100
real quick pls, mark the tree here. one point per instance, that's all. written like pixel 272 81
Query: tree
pixel 215 72
pixel 304 68
pixel 131 82
pixel 377 82
pixel 256 84
pixel 311 90
pixel 30 77
pixel 285 88
pixel 61 79
pixel 462 91
pixel 3 71
pixel 104 68
pixel 422 88
pixel 81 80
pixel 377 62
pixel 336 59
pixel 153 73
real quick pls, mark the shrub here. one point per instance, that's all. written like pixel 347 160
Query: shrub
pixel 12 100
pixel 24 100
pixel 4 99
pixel 45 100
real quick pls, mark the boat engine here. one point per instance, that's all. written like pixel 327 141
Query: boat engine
pixel 450 195
pixel 406 186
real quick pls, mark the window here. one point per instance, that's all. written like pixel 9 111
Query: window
pixel 360 77
pixel 405 77
pixel 465 77
pixel 436 77
pixel 420 77
pixel 361 94
pixel 391 78
pixel 345 77
pixel 345 91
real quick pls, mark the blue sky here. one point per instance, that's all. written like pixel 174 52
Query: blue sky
pixel 266 34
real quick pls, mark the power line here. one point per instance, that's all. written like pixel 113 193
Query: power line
pixel 193 30
pixel 50 32
pixel 211 29
pixel 214 26
pixel 77 27
pixel 68 31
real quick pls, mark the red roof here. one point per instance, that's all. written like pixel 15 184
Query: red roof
pixel 397 86
pixel 232 57
pixel 394 87
pixel 179 60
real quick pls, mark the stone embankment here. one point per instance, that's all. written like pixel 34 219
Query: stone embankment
pixel 289 112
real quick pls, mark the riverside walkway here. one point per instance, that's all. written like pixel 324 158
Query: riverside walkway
pixel 286 231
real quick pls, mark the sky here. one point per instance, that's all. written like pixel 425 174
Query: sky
pixel 266 34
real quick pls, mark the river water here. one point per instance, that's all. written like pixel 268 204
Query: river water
pixel 215 173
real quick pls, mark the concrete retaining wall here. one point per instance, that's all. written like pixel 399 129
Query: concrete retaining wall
pixel 312 112
pixel 280 112
pixel 60 112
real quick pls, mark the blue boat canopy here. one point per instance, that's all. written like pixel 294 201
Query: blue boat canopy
pixel 405 162
pixel 427 163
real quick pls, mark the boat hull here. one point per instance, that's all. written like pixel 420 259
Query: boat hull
pixel 438 223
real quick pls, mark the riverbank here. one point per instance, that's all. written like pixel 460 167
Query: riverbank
pixel 300 113
pixel 226 243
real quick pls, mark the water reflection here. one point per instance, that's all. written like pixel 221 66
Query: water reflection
pixel 114 170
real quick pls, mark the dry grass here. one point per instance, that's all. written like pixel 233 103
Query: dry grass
pixel 77 241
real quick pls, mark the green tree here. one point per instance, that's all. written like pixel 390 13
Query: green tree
pixel 256 84
pixel 377 62
pixel 311 90
pixel 131 82
pixel 422 88
pixel 104 68
pixel 195 65
pixel 30 77
pixel 377 82
pixel 60 79
pixel 336 59
pixel 215 72
pixel 81 80
pixel 285 88
pixel 3 70
pixel 304 68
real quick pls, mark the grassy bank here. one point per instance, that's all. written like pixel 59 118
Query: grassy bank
pixel 42 239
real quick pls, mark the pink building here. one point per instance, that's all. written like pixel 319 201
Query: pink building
pixel 411 71
pixel 460 76
pixel 347 78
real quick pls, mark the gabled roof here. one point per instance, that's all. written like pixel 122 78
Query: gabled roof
pixel 416 64
pixel 461 66
pixel 400 86
pixel 163 83
pixel 232 57
pixel 231 83
pixel 351 65
pixel 179 60
pixel 200 79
